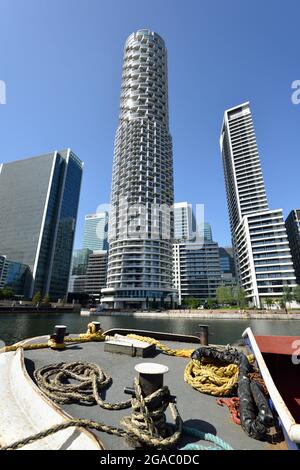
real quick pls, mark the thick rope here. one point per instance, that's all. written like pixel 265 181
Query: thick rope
pixel 213 376
pixel 208 376
pixel 162 347
pixel 26 347
pixel 152 424
pixel 53 381
pixel 92 334
pixel 220 444
pixel 146 426
pixel 89 336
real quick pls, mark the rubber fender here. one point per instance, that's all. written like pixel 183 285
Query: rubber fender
pixel 250 421
pixel 228 356
pixel 264 412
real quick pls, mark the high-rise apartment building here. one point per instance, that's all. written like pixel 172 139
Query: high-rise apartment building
pixel 292 224
pixel 259 237
pixel 183 221
pixel 39 199
pixel 141 220
pixel 196 270
pixel 95 231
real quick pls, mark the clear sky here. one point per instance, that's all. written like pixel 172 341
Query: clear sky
pixel 61 61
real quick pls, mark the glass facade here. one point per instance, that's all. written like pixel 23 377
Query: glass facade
pixel 80 261
pixel 95 231
pixel 38 208
pixel 66 224
pixel 14 275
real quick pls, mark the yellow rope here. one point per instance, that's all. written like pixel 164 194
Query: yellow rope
pixel 208 376
pixel 52 343
pixel 162 347
pixel 213 377
pixel 90 335
pixel 26 347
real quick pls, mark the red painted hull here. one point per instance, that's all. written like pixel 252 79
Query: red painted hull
pixel 278 354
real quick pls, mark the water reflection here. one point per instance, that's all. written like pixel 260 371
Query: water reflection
pixel 16 327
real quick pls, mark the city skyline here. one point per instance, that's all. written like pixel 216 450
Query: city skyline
pixel 196 109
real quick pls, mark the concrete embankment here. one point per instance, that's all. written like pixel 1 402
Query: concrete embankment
pixel 212 314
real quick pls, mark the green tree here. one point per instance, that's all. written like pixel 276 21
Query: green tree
pixel 224 295
pixel 240 297
pixel 46 300
pixel 287 297
pixel 191 302
pixel 210 303
pixel 36 298
pixel 269 301
pixel 296 294
pixel 7 293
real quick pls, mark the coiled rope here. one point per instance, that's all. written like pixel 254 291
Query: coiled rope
pixel 91 380
pixel 209 376
pixel 145 426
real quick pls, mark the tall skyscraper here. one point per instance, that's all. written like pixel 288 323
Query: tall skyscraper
pixel 140 253
pixel 183 221
pixel 185 225
pixel 260 243
pixel 95 231
pixel 39 199
pixel 207 232
pixel 292 224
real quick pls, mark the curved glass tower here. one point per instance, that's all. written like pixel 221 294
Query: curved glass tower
pixel 141 219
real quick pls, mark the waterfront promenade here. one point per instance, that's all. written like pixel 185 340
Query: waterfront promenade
pixel 211 314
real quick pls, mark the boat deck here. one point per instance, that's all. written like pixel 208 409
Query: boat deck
pixel 196 409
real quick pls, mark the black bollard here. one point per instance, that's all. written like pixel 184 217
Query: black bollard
pixel 60 331
pixel 97 325
pixel 203 335
pixel 151 376
pixel 151 380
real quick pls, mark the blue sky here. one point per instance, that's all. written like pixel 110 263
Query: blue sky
pixel 61 61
